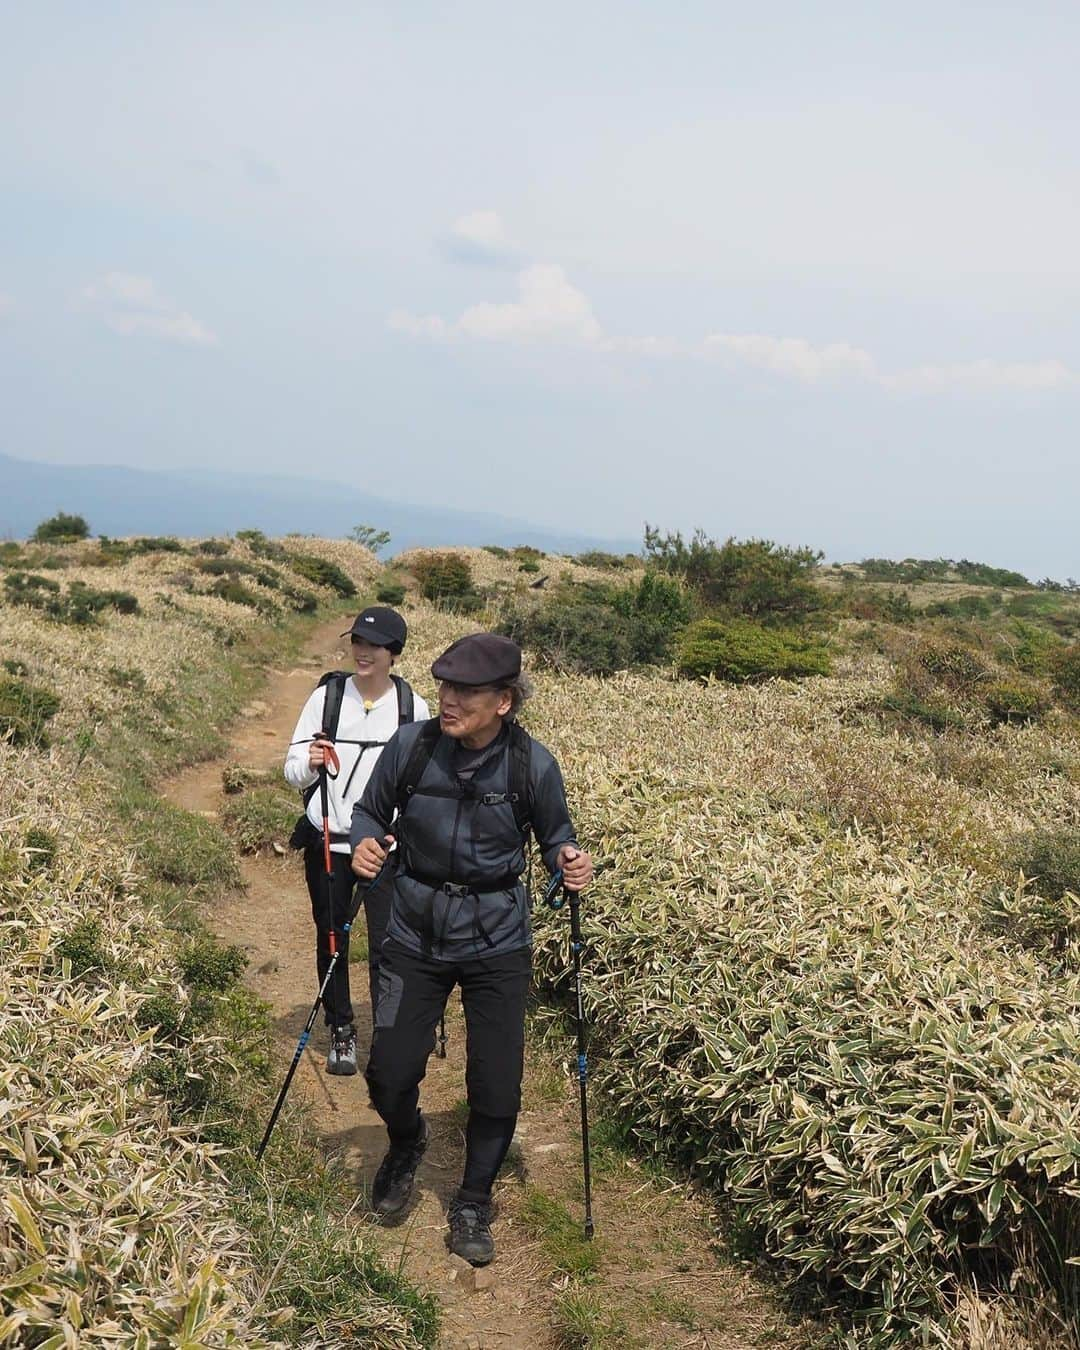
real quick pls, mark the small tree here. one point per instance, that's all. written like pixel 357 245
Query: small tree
pixel 61 528
pixel 369 537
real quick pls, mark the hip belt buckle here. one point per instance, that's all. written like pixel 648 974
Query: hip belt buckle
pixel 454 889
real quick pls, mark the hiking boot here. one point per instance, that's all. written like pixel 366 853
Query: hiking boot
pixel 342 1056
pixel 470 1230
pixel 393 1182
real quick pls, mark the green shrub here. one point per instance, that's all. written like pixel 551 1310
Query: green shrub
pixel 209 966
pixel 82 945
pixel 657 608
pixel 216 548
pixel 1013 701
pixel 29 588
pixel 236 593
pixel 61 529
pixel 24 710
pixel 10 553
pixel 126 677
pixel 1050 859
pixel 526 553
pixel 322 573
pixel 260 817
pixel 157 544
pixel 497 550
pixel 741 651
pixel 608 562
pixel 301 602
pixel 529 565
pixel 263 547
pixel 754 578
pixel 228 567
pixel 390 593
pixel 442 576
pixel 589 639
pixel 934 712
pixel 164 1012
pixel 1029 647
pixel 1066 675
pixel 42 846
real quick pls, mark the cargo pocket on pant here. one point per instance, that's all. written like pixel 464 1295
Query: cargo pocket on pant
pixel 391 987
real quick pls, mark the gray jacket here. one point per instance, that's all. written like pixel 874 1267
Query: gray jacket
pixel 473 845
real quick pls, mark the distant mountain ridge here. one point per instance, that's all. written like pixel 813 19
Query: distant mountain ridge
pixel 118 501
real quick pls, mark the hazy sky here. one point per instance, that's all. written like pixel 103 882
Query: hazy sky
pixel 806 271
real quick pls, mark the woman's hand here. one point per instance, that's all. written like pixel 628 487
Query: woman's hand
pixel 369 855
pixel 316 754
pixel 577 868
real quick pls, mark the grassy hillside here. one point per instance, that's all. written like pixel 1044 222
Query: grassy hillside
pixel 832 954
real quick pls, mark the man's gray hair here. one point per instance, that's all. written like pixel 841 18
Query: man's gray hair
pixel 521 688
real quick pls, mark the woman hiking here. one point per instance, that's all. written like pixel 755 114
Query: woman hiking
pixel 359 713
pixel 469 786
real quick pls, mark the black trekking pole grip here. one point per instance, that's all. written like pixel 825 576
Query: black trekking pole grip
pixel 305 1035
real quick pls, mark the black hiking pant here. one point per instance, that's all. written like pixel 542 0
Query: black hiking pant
pixel 337 1005
pixel 412 995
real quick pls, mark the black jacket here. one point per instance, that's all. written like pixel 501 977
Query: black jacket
pixel 462 840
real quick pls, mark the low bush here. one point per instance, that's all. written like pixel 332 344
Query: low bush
pixel 528 565
pixel 236 593
pixel 1014 701
pixel 753 578
pixel 873 603
pixel 741 651
pixel 42 846
pixel 1066 676
pixel 573 635
pixel 25 708
pixel 260 817
pixel 606 562
pixel 497 550
pixel 262 547
pixel 10 553
pixel 61 529
pixel 215 548
pixel 390 593
pixel 210 966
pixel 83 946
pixel 322 573
pixel 1050 859
pixel 446 580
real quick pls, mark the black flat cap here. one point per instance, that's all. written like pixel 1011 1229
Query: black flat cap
pixel 479 658
pixel 380 626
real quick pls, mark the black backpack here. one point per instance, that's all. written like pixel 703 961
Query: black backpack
pixel 520 752
pixel 334 682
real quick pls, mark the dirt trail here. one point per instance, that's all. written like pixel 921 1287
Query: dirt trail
pixel 664 1281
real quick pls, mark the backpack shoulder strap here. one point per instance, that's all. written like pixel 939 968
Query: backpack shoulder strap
pixel 520 752
pixel 405 702
pixel 419 759
pixel 333 682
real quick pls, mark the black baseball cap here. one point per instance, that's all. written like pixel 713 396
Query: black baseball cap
pixel 381 627
pixel 479 658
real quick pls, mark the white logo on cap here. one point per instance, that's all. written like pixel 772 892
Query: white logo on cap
pixel 369 619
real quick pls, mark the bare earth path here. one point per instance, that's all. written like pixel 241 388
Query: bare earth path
pixel 663 1278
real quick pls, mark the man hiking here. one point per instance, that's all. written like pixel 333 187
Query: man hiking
pixel 469 786
pixel 359 713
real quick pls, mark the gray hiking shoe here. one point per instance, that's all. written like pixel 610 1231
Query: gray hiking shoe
pixel 393 1182
pixel 470 1230
pixel 342 1056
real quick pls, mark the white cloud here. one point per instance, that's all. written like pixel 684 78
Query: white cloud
pixel 551 309
pixel 484 228
pixel 795 357
pixel 133 306
pixel 548 308
pixel 985 375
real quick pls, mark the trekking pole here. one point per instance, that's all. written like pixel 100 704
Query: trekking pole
pixel 441 1051
pixel 553 897
pixel 358 899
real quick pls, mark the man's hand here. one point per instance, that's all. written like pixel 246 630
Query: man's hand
pixel 369 855
pixel 576 867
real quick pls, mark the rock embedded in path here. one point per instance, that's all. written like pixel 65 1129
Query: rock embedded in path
pixel 472 1279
